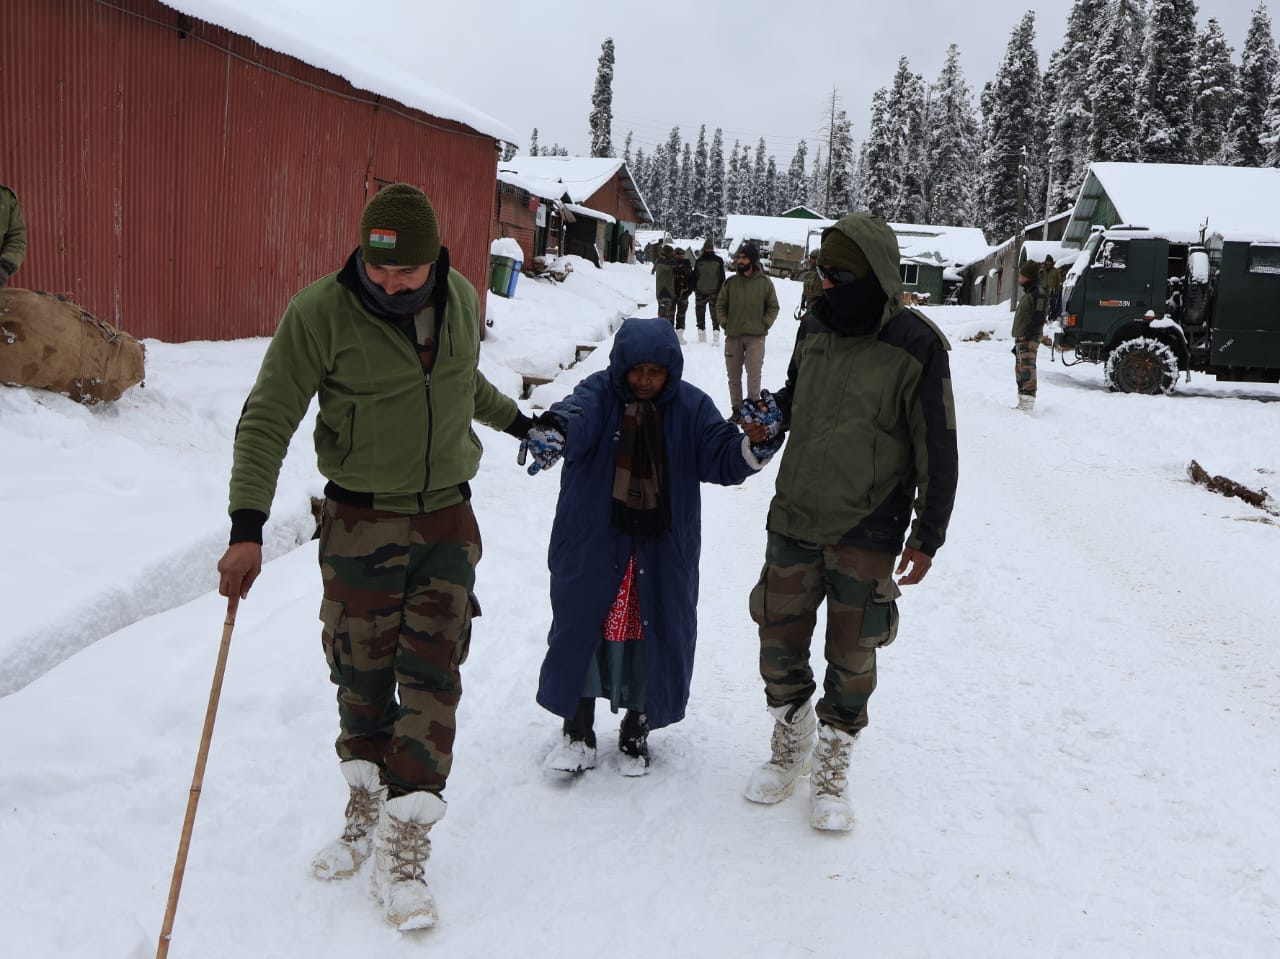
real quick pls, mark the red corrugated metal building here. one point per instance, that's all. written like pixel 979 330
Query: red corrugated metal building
pixel 182 182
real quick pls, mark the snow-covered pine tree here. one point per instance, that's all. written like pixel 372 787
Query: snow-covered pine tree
pixel 732 204
pixel 1070 112
pixel 952 138
pixel 756 203
pixel 877 159
pixel 716 183
pixel 744 183
pixel 818 183
pixel 795 190
pixel 657 195
pixel 1011 104
pixel 840 166
pixel 601 116
pixel 671 181
pixel 1257 78
pixel 684 206
pixel 771 200
pixel 909 148
pixel 1166 84
pixel 1113 88
pixel 533 143
pixel 626 150
pixel 508 151
pixel 1215 93
pixel 699 185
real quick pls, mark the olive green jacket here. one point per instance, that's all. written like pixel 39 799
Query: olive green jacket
pixel 747 305
pixel 13 230
pixel 870 418
pixel 1033 307
pixel 385 427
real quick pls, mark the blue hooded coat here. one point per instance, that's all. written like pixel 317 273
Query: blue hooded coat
pixel 588 556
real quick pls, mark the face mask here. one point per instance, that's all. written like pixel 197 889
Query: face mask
pixel 857 303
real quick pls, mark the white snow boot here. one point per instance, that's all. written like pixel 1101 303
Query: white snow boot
pixel 1026 402
pixel 715 337
pixel 401 847
pixel 790 749
pixel 680 336
pixel 829 807
pixel 571 755
pixel 342 857
pixel 702 336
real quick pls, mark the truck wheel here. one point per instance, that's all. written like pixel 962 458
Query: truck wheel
pixel 1144 365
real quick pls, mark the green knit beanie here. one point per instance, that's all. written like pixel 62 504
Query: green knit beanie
pixel 399 228
pixel 707 245
pixel 838 252
pixel 1030 269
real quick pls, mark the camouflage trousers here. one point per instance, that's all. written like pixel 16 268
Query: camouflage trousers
pixel 1024 365
pixel 704 305
pixel 397 613
pixel 862 616
pixel 674 310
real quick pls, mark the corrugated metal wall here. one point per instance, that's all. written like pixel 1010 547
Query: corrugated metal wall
pixel 183 183
pixel 516 219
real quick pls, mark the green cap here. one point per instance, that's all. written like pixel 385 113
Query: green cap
pixel 399 228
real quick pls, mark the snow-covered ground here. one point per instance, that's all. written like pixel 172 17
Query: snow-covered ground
pixel 1072 752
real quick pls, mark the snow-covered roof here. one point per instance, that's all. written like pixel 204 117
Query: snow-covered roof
pixel 772 229
pixel 588 212
pixel 1037 250
pixel 919 243
pixel 580 176
pixel 1167 196
pixel 324 41
pixel 945 245
pixel 535 186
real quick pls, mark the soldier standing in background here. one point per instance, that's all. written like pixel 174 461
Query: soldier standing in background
pixel 746 308
pixel 708 278
pixel 1028 327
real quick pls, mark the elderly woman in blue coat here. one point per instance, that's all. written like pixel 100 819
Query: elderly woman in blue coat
pixel 637 443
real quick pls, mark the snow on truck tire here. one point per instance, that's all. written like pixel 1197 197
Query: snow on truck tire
pixel 1142 365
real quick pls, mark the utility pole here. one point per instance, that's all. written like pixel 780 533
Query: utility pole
pixel 831 136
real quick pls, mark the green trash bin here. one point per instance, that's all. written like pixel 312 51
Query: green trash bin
pixel 501 269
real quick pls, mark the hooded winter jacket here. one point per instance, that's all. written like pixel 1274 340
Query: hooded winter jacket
pixel 870 414
pixel 386 427
pixel 588 556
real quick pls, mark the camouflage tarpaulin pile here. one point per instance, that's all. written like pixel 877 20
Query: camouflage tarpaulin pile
pixel 48 342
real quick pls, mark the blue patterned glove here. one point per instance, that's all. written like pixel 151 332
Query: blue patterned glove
pixel 545 441
pixel 766 413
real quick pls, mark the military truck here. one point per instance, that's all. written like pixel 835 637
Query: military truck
pixel 1151 305
pixel 786 260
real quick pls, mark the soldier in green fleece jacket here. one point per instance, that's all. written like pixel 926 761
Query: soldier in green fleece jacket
pixel 390 345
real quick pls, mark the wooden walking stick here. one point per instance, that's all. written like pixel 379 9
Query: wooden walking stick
pixel 184 843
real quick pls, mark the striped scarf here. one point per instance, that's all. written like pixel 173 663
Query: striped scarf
pixel 641 496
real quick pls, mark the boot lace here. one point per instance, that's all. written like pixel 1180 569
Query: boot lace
pixel 785 745
pixel 361 812
pixel 832 771
pixel 409 849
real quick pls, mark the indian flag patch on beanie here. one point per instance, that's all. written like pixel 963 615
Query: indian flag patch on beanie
pixel 382 239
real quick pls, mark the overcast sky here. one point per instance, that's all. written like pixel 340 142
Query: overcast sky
pixel 753 68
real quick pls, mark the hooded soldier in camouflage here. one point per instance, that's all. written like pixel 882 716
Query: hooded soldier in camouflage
pixel 871 438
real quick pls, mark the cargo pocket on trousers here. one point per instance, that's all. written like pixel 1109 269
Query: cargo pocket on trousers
pixel 337 641
pixel 463 647
pixel 880 615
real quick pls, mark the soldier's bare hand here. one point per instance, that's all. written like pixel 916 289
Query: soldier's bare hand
pixel 239 567
pixel 919 563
